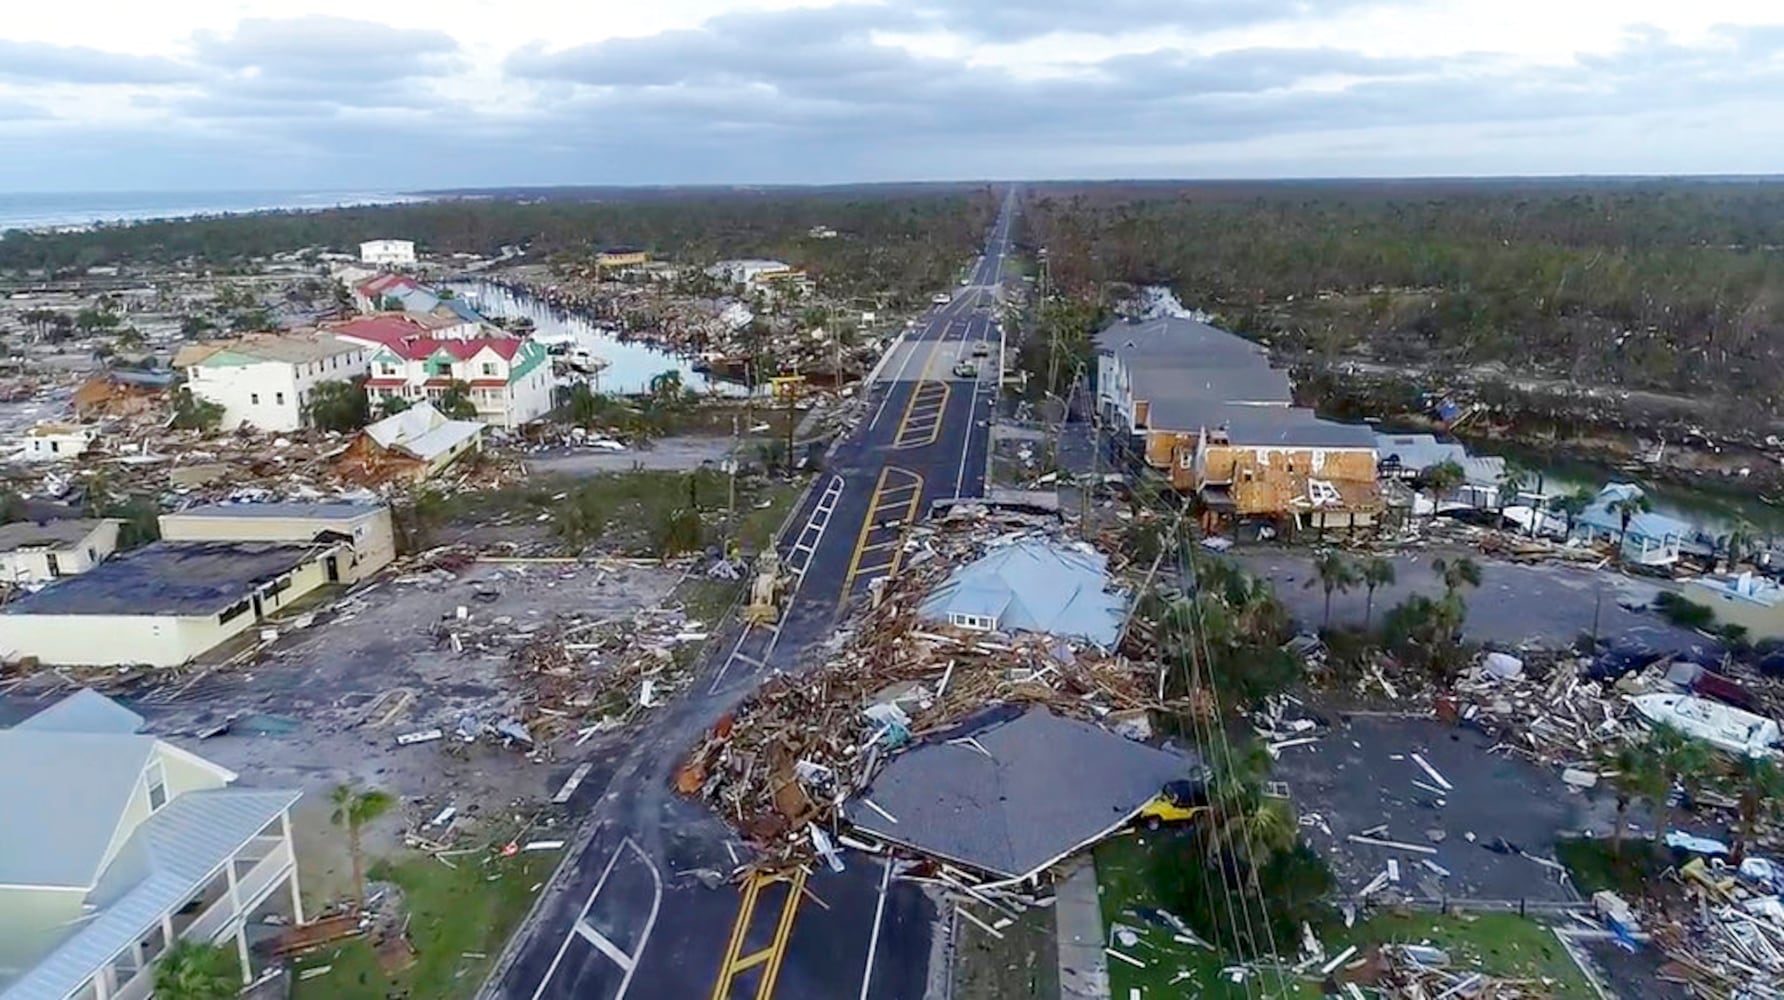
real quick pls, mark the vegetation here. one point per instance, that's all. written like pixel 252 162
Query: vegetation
pixel 458 919
pixel 1683 611
pixel 354 809
pixel 194 970
pixel 339 405
pixel 1757 784
pixel 1233 628
pixel 1376 571
pixel 896 245
pixel 1333 573
pixel 191 413
pixel 1626 507
pixel 1669 760
pixel 1666 285
pixel 455 401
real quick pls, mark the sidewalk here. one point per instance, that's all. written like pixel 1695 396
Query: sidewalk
pixel 1083 968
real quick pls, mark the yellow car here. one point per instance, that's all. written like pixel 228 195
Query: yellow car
pixel 1178 802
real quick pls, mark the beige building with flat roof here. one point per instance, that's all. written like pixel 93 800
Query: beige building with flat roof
pixel 364 528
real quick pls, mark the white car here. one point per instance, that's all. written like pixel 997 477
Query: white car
pixel 940 298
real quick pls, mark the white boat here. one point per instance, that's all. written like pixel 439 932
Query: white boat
pixel 1722 726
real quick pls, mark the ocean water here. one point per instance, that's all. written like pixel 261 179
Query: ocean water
pixel 58 210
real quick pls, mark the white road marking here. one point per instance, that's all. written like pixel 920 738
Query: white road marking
pixel 879 914
pixel 582 929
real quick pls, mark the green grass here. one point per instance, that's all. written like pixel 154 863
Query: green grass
pixel 1593 867
pixel 454 915
pixel 1500 944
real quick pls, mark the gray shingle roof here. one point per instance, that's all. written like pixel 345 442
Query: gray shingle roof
pixel 1177 336
pixel 1294 427
pixel 1050 785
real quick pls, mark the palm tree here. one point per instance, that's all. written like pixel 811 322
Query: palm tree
pixel 1251 832
pixel 1758 784
pixel 1442 479
pixel 1456 573
pixel 193 970
pixel 353 810
pixel 1512 481
pixel 1626 507
pixel 1376 572
pixel 1678 760
pixel 1741 541
pixel 1634 774
pixel 1573 505
pixel 1333 573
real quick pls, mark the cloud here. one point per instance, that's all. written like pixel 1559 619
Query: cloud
pixel 327 49
pixel 35 62
pixel 1018 20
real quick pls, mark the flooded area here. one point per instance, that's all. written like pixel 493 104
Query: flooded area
pixel 630 365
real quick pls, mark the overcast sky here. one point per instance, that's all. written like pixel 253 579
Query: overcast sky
pixel 342 94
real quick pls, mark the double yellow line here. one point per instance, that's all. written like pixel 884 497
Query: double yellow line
pixel 771 957
pixel 881 502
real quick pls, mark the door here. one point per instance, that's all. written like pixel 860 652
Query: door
pixel 333 565
pixel 258 614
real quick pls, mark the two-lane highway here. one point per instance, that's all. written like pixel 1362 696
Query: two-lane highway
pixel 640 910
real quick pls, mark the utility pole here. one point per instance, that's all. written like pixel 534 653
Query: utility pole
pixel 731 487
pixel 1096 450
pixel 792 416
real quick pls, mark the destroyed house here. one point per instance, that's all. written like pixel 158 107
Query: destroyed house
pixel 36 552
pixel 1012 792
pixel 411 445
pixel 115 844
pixel 1034 585
pixel 163 604
pixel 1288 466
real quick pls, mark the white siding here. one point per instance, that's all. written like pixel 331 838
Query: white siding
pixel 270 395
pixel 33 565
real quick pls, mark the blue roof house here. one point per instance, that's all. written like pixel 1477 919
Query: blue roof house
pixel 1652 540
pixel 1033 585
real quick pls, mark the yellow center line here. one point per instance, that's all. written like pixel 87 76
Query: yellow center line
pixel 765 988
pixel 746 908
pixel 876 504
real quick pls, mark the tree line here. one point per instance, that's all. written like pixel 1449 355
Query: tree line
pixel 1666 285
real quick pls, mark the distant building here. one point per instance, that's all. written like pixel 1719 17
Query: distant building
pixel 388 253
pixel 821 233
pixel 509 378
pixel 115 845
pixel 58 442
pixel 615 258
pixel 37 552
pixel 448 315
pixel 363 528
pixel 754 273
pixel 1410 456
pixel 265 380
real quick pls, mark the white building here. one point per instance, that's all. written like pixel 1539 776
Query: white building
pixel 508 378
pixel 364 528
pixel 115 844
pixel 37 553
pixel 58 442
pixel 265 380
pixel 387 253
pixel 755 272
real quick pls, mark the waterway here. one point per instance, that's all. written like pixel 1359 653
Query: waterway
pixel 630 364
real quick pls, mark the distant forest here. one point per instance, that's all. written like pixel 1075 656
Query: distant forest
pixel 1670 285
pixel 905 236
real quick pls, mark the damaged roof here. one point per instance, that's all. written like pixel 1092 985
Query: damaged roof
pixel 1044 787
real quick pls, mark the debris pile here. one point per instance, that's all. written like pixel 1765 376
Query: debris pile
pixel 1733 943
pixel 800 746
pixel 1418 972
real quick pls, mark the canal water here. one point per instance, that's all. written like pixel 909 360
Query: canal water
pixel 630 365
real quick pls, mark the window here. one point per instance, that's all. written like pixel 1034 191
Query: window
pixel 92 554
pixel 157 786
pixel 489 368
pixel 387 369
pixel 50 558
pixel 279 399
pixel 55 446
pixel 253 399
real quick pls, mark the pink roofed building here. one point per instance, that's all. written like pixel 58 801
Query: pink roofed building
pixel 416 358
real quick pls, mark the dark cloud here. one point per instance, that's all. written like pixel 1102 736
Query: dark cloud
pixel 39 63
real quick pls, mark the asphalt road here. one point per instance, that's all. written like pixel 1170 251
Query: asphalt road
pixel 639 909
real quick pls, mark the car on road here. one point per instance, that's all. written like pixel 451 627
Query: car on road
pixel 966 369
pixel 981 350
pixel 939 298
